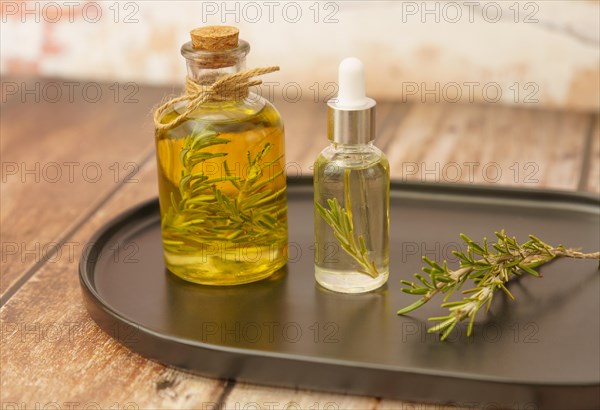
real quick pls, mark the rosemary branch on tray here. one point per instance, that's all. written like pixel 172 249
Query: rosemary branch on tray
pixel 489 268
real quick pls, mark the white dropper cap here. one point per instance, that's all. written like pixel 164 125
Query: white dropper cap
pixel 352 113
pixel 351 93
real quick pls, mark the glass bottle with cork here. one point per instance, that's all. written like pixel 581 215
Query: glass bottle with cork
pixel 221 168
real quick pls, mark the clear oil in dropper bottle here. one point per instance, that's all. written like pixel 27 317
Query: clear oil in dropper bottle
pixel 352 189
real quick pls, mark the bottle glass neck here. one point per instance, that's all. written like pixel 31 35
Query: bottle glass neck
pixel 205 67
pixel 360 147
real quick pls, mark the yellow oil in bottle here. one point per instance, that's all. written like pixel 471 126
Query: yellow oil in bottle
pixel 222 192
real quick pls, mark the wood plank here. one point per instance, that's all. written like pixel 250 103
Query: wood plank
pixel 261 397
pixel 53 352
pixel 593 179
pixel 405 405
pixel 489 144
pixel 60 158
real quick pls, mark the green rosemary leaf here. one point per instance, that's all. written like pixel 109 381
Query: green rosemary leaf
pixel 272 162
pixel 412 307
pixel 423 281
pixel 333 205
pixel 270 218
pixel 264 151
pixel 173 202
pixel 429 271
pixel 430 262
pixel 192 222
pixel 448 330
pixel 204 156
pixel 528 269
pixel 511 264
pixel 228 173
pixel 220 179
pixel 450 290
pixel 251 200
pixel 453 304
pixel 259 186
pixel 506 291
pixel 172 242
pixel 439 318
pixel 362 245
pixel 418 291
pixel 183 155
pixel 441 326
pixel 275 195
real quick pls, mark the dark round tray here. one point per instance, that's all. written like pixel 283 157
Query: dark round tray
pixel 542 350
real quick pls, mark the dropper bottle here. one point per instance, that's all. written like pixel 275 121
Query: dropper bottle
pixel 352 190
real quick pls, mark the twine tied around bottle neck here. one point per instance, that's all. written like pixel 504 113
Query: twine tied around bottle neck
pixel 229 87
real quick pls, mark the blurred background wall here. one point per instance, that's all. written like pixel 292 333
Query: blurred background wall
pixel 537 53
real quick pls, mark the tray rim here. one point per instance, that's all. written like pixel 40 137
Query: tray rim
pixel 541 196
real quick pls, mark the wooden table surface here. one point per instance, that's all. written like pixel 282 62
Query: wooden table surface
pixel 70 164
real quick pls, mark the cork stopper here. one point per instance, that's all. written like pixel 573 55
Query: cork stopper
pixel 215 38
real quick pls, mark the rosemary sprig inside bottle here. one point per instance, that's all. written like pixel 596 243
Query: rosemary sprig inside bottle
pixel 340 220
pixel 204 213
pixel 489 269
